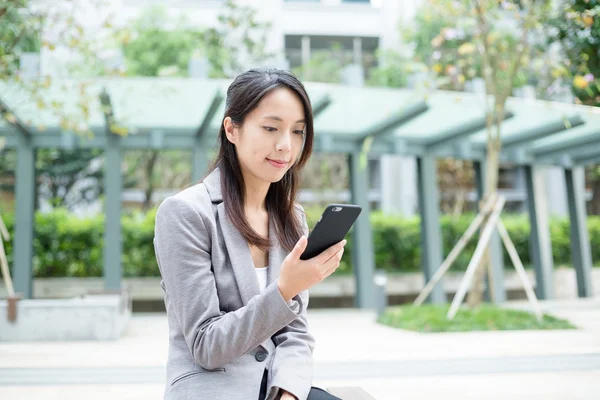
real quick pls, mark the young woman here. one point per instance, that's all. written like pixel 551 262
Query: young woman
pixel 228 251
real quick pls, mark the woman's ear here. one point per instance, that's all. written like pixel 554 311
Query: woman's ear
pixel 230 130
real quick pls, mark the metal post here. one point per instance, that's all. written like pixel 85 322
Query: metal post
pixel 199 161
pixel 540 243
pixel 363 259
pixel 496 254
pixel 431 235
pixel 24 200
pixel 581 253
pixel 112 224
pixel 380 283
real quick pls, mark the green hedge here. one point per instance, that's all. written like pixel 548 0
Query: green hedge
pixel 65 245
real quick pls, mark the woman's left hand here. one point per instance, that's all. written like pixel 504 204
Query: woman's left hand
pixel 287 396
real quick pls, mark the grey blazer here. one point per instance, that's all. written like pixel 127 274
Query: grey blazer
pixel 224 333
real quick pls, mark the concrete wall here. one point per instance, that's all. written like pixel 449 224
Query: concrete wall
pixel 97 317
pixel 406 284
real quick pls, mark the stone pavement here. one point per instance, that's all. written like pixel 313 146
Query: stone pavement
pixel 352 350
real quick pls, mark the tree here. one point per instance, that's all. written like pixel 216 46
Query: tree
pixel 324 65
pixel 154 45
pixel 237 41
pixel 392 69
pixel 445 36
pixel 576 26
pixel 501 65
pixel 67 178
pixel 26 30
pixel 502 34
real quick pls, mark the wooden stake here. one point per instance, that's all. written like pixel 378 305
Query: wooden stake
pixel 486 235
pixel 458 248
pixel 516 260
pixel 5 271
pixel 4 231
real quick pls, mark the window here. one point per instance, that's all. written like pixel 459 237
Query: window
pixel 346 49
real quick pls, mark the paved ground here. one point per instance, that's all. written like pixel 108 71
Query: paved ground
pixel 352 351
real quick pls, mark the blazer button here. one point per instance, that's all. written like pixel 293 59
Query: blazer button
pixel 261 356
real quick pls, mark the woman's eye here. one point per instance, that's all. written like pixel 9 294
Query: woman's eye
pixel 299 132
pixel 269 128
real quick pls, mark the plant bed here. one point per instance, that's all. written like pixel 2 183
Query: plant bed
pixel 432 318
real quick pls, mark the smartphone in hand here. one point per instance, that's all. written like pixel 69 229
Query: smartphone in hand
pixel 332 227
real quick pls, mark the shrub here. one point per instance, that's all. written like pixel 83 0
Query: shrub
pixel 65 245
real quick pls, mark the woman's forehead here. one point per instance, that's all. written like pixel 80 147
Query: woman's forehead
pixel 281 104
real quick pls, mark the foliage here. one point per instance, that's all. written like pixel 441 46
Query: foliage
pixel 67 177
pixel 576 26
pixel 325 174
pixel 158 45
pixel 455 180
pixel 64 178
pixel 432 318
pixel 66 245
pixel 155 46
pixel 14 38
pixel 237 41
pixel 393 70
pixel 446 36
pixel 324 65
pixel 71 49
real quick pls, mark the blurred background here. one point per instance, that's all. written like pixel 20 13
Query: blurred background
pixel 110 106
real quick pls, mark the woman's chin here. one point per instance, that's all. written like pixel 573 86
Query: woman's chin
pixel 274 176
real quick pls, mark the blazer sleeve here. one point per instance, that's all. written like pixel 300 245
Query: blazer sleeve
pixel 215 338
pixel 292 365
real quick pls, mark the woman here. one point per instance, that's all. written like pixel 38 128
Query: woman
pixel 228 251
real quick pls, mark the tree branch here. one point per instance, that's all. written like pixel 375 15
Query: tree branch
pixel 484 32
pixel 522 47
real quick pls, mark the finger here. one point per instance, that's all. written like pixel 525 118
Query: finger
pixel 331 270
pixel 335 256
pixel 330 252
pixel 333 263
pixel 299 247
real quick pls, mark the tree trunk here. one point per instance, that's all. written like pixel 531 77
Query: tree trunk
pixel 150 181
pixel 491 187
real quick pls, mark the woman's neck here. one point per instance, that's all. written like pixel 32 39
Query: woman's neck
pixel 255 194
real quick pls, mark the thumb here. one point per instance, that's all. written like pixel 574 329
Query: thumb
pixel 299 247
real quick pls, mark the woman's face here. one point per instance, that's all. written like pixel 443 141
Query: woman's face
pixel 271 137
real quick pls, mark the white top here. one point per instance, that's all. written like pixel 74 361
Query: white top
pixel 261 274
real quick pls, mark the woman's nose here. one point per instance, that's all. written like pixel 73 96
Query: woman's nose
pixel 284 143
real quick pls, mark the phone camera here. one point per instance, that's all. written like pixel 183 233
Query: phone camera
pixel 336 209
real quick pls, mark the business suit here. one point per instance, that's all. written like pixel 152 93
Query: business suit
pixel 224 333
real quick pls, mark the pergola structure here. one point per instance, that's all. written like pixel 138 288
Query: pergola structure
pixel 182 113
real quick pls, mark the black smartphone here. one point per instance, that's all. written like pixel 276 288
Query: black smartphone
pixel 332 227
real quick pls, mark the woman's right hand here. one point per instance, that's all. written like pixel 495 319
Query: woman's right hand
pixel 297 275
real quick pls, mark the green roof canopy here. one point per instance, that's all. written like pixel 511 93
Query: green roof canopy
pixel 171 112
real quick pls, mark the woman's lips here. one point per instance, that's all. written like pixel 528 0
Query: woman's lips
pixel 277 164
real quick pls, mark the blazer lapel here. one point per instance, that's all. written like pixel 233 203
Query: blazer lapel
pixel 276 255
pixel 239 256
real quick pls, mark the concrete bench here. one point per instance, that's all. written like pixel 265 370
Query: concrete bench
pixel 350 393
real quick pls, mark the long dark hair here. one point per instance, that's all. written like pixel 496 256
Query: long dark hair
pixel 243 96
